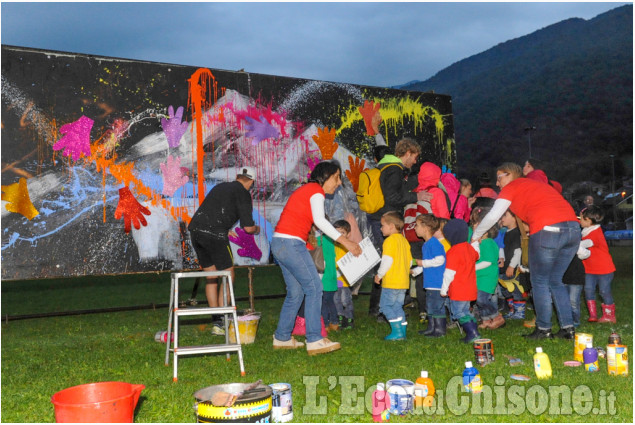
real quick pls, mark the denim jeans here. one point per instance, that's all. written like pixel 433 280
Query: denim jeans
pixel 303 282
pixel 603 281
pixel 378 240
pixel 574 297
pixel 344 302
pixel 329 311
pixel 550 253
pixel 391 303
pixel 460 310
pixel 435 303
pixel 487 305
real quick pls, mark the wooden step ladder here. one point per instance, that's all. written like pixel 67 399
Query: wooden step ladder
pixel 175 312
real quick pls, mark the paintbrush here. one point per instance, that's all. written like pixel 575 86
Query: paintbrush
pixel 225 399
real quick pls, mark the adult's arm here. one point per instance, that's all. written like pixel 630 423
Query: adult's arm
pixel 500 206
pixel 320 221
pixel 245 208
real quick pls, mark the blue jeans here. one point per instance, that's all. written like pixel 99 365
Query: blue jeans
pixel 487 305
pixel 391 303
pixel 460 310
pixel 344 302
pixel 329 312
pixel 303 282
pixel 603 281
pixel 574 297
pixel 550 253
pixel 435 303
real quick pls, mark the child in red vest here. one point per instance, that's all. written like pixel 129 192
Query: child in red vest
pixel 459 278
pixel 598 266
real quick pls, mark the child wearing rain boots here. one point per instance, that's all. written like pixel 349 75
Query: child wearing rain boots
pixel 599 266
pixel 459 278
pixel 432 265
pixel 487 274
pixel 394 274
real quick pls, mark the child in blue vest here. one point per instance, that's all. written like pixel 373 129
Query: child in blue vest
pixel 433 266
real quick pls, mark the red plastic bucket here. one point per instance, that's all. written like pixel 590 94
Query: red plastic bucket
pixel 99 402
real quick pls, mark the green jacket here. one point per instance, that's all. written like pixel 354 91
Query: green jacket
pixel 329 278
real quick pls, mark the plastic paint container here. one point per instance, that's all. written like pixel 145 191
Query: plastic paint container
pixel 617 359
pixel 401 394
pixel 581 341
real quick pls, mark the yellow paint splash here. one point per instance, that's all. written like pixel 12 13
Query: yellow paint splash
pixel 394 111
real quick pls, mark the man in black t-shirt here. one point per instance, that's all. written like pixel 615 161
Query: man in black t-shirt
pixel 212 224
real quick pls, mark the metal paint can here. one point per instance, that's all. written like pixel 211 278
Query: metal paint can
pixel 162 336
pixel 581 341
pixel 254 407
pixel 484 351
pixel 282 403
pixel 617 359
pixel 401 394
pixel 614 338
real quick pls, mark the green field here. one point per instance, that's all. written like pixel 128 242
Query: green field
pixel 41 356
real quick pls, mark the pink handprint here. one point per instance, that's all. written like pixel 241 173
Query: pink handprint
pixel 76 138
pixel 131 210
pixel 248 244
pixel 173 175
pixel 173 127
pixel 260 130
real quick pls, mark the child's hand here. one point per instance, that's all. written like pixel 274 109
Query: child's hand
pixel 509 272
pixel 501 262
pixel 443 293
pixel 377 279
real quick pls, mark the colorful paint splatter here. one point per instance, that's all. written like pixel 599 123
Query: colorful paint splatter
pixel 105 161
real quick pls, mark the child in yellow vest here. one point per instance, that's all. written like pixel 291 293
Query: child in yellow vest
pixel 394 274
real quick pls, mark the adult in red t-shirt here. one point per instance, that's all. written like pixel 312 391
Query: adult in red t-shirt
pixel 554 237
pixel 304 209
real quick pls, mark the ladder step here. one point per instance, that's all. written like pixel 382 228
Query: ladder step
pixel 201 349
pixel 194 311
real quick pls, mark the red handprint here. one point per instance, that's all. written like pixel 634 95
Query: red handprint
pixel 131 209
pixel 356 168
pixel 76 138
pixel 325 139
pixel 372 117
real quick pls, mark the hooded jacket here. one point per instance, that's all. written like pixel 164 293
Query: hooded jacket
pixel 393 186
pixel 429 177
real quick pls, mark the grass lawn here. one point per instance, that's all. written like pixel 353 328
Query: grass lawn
pixel 43 356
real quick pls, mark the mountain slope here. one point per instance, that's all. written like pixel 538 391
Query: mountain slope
pixel 573 81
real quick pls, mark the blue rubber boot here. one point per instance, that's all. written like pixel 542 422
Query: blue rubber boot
pixel 402 329
pixel 471 332
pixel 395 326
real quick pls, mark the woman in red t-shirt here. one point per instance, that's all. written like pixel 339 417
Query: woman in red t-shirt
pixel 305 208
pixel 554 237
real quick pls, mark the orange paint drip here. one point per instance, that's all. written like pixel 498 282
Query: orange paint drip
pixel 200 90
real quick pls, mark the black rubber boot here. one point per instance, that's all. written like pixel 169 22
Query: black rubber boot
pixel 439 326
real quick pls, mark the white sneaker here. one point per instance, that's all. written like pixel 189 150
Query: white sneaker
pixel 286 345
pixel 323 345
pixel 217 330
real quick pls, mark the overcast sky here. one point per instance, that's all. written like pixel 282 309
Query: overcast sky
pixel 379 44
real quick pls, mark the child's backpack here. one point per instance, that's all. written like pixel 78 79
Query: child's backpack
pixel 369 194
pixel 453 190
pixel 411 211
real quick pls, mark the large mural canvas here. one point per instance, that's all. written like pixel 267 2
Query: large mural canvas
pixel 105 160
